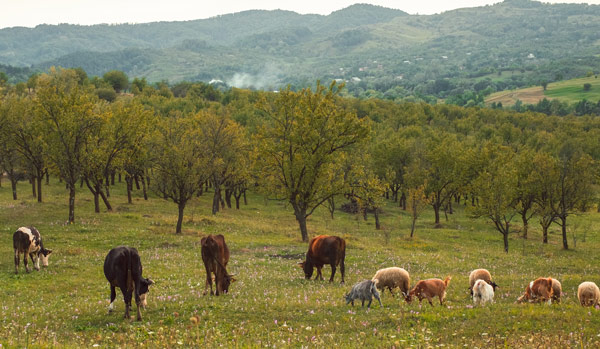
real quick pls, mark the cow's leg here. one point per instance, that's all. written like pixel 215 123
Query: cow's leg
pixel 16 261
pixel 342 268
pixel 35 261
pixel 208 282
pixel 138 303
pixel 319 275
pixel 126 298
pixel 113 295
pixel 332 272
pixel 25 262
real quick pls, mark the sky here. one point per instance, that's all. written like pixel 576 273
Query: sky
pixel 29 13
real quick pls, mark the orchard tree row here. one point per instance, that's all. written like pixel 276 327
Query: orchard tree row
pixel 310 148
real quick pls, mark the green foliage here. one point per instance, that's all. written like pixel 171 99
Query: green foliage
pixel 301 148
pixel 107 94
pixel 117 79
pixel 587 86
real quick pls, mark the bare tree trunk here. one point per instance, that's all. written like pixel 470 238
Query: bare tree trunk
pixel 216 200
pixel 39 180
pixel 228 193
pixel 105 199
pixel 137 183
pixel 129 183
pixel 563 221
pixel 181 207
pixel 412 227
pixel 72 202
pixel 301 218
pixel 245 200
pixel 144 188
pixel 13 184
pixel 377 223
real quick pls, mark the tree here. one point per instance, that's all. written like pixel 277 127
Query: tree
pixel 224 147
pixel 67 112
pixel 587 86
pixel 178 161
pixel 544 175
pixel 574 185
pixel 544 85
pixel 117 79
pixel 10 159
pixel 301 148
pixel 495 188
pixel 27 133
pixel 442 168
pixel 122 124
pixel 417 201
pixel 526 189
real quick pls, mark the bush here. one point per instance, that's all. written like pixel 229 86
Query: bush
pixel 106 93
pixel 587 86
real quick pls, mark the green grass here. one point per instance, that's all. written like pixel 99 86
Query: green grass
pixel 572 90
pixel 271 304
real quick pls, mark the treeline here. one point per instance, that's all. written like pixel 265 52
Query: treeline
pixel 310 148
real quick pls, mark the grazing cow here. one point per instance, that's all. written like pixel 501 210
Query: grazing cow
pixel 27 240
pixel 123 269
pixel 323 250
pixel 539 290
pixel 215 256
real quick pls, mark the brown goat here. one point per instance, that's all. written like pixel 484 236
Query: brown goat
pixel 539 290
pixel 428 289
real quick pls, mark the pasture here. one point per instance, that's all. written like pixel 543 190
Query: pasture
pixel 570 91
pixel 271 304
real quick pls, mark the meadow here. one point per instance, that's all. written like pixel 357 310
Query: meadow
pixel 570 91
pixel 271 304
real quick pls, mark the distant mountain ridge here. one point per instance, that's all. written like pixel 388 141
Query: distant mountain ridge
pixel 375 47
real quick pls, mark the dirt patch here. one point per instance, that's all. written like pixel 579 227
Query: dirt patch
pixel 530 95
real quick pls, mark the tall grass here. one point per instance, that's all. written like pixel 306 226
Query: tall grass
pixel 271 304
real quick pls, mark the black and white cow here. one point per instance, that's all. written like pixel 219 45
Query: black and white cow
pixel 123 269
pixel 27 240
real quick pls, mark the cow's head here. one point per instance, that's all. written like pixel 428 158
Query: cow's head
pixel 43 255
pixel 308 269
pixel 227 280
pixel 144 285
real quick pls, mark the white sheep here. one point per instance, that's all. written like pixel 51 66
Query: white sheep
pixel 482 292
pixel 588 294
pixel 391 278
pixel 480 274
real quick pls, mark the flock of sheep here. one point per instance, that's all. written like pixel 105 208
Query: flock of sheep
pixel 481 285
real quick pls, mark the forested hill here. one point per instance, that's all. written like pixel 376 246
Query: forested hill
pixel 380 52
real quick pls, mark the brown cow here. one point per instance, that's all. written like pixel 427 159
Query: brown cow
pixel 539 290
pixel 215 256
pixel 322 250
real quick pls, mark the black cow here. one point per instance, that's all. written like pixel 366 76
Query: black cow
pixel 27 240
pixel 123 269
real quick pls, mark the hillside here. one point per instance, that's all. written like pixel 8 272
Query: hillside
pixel 570 91
pixel 381 52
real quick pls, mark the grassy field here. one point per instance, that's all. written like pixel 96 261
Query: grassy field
pixel 271 304
pixel 570 91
